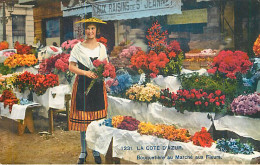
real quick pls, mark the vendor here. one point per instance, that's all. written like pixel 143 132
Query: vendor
pixel 93 106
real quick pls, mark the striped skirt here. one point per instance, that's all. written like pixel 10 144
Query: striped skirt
pixel 79 120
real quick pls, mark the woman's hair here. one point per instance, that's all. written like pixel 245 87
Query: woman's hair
pixel 85 25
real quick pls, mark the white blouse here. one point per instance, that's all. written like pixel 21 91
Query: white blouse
pixel 88 52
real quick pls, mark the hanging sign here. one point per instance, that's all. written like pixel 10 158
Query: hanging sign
pixel 130 9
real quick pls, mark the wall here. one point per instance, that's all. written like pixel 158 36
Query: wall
pixel 26 10
pixel 45 9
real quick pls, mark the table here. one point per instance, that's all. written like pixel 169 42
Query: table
pixel 21 113
pixel 52 111
pixel 156 113
pixel 142 149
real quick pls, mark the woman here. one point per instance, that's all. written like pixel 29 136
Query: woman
pixel 87 108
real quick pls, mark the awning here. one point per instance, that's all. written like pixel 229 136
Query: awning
pixel 130 9
pixel 79 9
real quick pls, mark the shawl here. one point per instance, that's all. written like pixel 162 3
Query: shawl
pixel 78 53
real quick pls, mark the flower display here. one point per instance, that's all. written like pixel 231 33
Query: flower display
pixel 20 60
pixel 103 69
pixel 234 146
pixel 118 49
pixel 116 120
pixel 156 37
pixel 8 98
pixel 69 44
pixel 42 82
pixel 202 138
pixel 8 54
pixel 168 132
pixel 128 123
pixel 148 93
pixel 129 52
pixel 162 58
pixel 230 63
pixel 37 83
pixel 150 63
pixel 24 81
pixel 174 46
pixel 256 47
pixel 246 104
pixel 4 45
pixel 107 122
pixel 193 100
pixel 22 48
pixel 120 83
pixel 10 79
pixel 60 62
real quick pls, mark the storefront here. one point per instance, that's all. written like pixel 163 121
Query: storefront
pixel 19 23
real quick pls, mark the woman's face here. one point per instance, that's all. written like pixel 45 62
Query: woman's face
pixel 91 31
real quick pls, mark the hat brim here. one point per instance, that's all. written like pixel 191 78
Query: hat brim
pixel 90 21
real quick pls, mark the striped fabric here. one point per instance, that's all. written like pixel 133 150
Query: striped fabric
pixel 79 120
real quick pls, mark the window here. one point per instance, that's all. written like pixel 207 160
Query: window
pixel 18 28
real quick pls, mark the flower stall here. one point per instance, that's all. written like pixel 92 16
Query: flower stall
pixel 161 144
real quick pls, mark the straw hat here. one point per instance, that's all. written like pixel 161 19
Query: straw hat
pixel 94 20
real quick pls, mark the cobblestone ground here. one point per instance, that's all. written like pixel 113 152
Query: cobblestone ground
pixel 63 147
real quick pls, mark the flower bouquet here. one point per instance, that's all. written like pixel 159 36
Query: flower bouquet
pixel 69 44
pixel 246 104
pixel 202 138
pixel 24 81
pixel 20 60
pixel 4 45
pixel 9 99
pixel 37 83
pixel 234 146
pixel 149 93
pixel 193 100
pixel 120 84
pixel 57 64
pixel 103 69
pixel 125 122
pixel 42 82
pixel 231 63
pixel 22 48
pixel 169 132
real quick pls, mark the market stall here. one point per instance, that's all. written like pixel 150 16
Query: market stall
pixel 142 149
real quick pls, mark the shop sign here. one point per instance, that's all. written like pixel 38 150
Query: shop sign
pixel 188 16
pixel 130 9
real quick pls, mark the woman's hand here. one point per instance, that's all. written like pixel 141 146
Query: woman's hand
pixel 91 74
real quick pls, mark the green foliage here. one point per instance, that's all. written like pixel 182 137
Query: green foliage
pixel 208 83
pixel 5 69
pixel 174 66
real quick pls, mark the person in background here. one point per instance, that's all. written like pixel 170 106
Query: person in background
pixel 91 107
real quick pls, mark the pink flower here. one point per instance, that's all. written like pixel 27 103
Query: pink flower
pixel 96 63
pixel 153 75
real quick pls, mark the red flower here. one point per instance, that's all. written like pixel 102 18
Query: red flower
pixel 217 103
pixel 202 138
pixel 206 104
pixel 172 54
pixel 218 92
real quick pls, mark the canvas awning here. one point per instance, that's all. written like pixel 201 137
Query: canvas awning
pixel 130 9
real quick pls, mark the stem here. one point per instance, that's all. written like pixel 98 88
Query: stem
pixel 90 86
